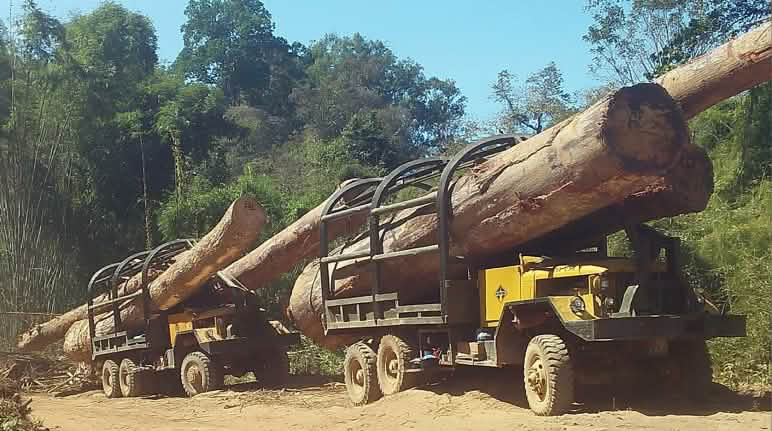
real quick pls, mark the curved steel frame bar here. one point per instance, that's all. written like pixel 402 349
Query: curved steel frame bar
pixel 365 187
pixel 102 276
pixel 126 267
pixel 170 249
pixel 476 151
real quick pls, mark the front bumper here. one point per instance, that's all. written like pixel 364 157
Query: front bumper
pixel 640 327
pixel 246 346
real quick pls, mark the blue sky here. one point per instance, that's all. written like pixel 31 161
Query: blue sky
pixel 469 42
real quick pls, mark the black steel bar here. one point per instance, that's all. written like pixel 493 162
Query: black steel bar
pixel 125 267
pixel 98 279
pixel 409 252
pixel 474 151
pixel 411 203
pixel 366 186
pixel 347 256
pixel 161 253
pixel 412 169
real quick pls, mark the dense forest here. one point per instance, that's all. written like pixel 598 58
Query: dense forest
pixel 105 151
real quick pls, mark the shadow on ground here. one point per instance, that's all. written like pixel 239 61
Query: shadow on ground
pixel 506 385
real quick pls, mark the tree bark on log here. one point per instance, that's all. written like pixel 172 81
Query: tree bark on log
pixel 227 241
pixel 616 148
pixel 684 189
pixel 294 244
pixel 736 66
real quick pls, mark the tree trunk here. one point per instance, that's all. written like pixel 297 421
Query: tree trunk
pixel 736 66
pixel 294 244
pixel 593 160
pixel 226 242
pixel 684 189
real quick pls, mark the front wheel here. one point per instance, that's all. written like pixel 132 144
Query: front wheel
pixel 360 374
pixel 549 376
pixel 200 374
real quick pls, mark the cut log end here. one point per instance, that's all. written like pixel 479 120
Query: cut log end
pixel 645 129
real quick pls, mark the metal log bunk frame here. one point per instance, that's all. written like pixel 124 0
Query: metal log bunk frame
pixel 372 196
pixel 109 279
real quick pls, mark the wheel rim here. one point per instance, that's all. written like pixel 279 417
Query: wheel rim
pixel 107 380
pixel 195 378
pixel 537 379
pixel 357 377
pixel 391 366
pixel 124 376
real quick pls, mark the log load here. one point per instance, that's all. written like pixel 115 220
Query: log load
pixel 736 66
pixel 593 160
pixel 724 72
pixel 227 241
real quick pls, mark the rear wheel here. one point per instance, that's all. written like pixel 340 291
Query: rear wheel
pixel 549 375
pixel 360 374
pixel 394 355
pixel 131 381
pixel 110 379
pixel 200 374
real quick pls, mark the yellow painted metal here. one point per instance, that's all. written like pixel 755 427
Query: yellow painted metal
pixel 535 277
pixel 497 287
pixel 179 322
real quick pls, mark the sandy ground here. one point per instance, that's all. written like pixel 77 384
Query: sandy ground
pixel 453 405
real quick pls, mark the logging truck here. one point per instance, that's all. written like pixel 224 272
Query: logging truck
pixel 574 317
pixel 218 331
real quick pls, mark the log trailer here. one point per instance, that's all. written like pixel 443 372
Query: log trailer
pixel 576 317
pixel 218 331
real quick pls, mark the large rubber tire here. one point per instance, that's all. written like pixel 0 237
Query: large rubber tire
pixel 200 374
pixel 393 359
pixel 549 376
pixel 274 370
pixel 110 379
pixel 131 382
pixel 360 375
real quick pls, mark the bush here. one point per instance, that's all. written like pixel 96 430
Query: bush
pixel 310 359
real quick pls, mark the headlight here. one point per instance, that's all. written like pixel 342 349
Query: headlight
pixel 608 304
pixel 577 305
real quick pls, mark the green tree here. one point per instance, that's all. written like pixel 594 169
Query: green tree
pixel 636 40
pixel 721 20
pixel 230 43
pixel 349 76
pixel 540 103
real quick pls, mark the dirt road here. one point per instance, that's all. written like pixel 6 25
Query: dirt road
pixel 449 406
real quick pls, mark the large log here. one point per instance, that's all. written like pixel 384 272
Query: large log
pixel 616 148
pixel 227 241
pixel 682 190
pixel 294 244
pixel 736 66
